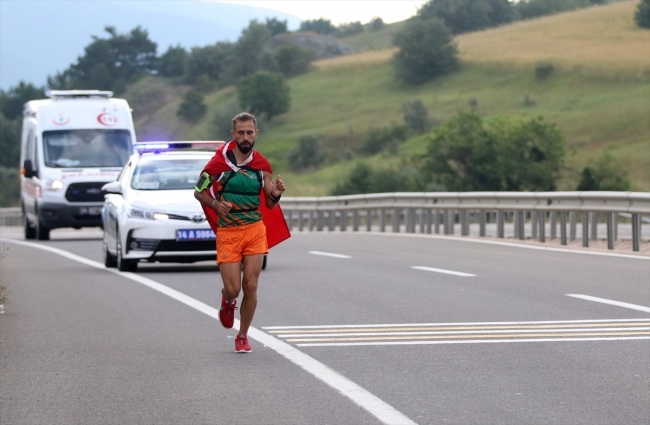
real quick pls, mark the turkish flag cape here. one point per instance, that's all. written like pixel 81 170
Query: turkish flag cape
pixel 276 227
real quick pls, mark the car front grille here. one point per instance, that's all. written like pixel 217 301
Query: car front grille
pixel 85 192
pixel 167 245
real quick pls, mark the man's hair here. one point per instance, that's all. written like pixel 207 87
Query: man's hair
pixel 243 117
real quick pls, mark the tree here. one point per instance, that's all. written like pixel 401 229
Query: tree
pixel 307 154
pixel 605 174
pixel 193 107
pixel 468 15
pixel 350 28
pixel 13 100
pixel 364 179
pixel 416 116
pixel 264 92
pixel 642 14
pixel 252 52
pixel 9 142
pixel 467 154
pixel 293 59
pixel 172 61
pixel 210 61
pixel 426 50
pixel 276 26
pixel 319 26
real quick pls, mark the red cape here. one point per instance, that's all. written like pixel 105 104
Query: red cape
pixel 276 227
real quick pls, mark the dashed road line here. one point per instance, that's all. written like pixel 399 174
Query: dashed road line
pixel 329 254
pixel 611 302
pixel 431 269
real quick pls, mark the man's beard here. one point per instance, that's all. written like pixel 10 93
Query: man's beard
pixel 245 149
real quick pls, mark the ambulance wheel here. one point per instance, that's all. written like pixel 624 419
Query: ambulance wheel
pixel 30 232
pixel 42 232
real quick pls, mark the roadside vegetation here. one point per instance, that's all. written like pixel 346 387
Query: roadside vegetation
pixel 364 101
pixel 4 291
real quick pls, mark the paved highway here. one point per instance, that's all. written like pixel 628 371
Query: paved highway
pixel 350 329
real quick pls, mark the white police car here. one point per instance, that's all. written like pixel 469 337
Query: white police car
pixel 150 213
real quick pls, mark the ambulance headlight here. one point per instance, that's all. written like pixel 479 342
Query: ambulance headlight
pixel 54 185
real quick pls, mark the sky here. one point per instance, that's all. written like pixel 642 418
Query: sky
pixel 340 11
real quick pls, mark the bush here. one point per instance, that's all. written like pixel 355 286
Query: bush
pixel 193 107
pixel 306 155
pixel 426 50
pixel 319 26
pixel 365 179
pixel 172 62
pixel 221 122
pixel 348 29
pixel 276 26
pixel 467 154
pixel 642 14
pixel 9 142
pixel 376 23
pixel 535 8
pixel 10 183
pixel 293 59
pixel 264 92
pixel 468 15
pixel 605 174
pixel 416 116
pixel 379 139
pixel 543 70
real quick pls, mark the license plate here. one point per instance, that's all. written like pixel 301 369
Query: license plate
pixel 195 235
pixel 90 210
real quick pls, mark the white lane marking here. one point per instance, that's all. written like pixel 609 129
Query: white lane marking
pixel 329 254
pixel 431 269
pixel 359 395
pixel 469 341
pixel 606 301
pixel 512 245
pixel 543 322
pixel 509 331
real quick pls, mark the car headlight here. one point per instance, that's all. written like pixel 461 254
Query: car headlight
pixel 146 214
pixel 54 185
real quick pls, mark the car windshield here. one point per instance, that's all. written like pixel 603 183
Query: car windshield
pixel 87 148
pixel 167 174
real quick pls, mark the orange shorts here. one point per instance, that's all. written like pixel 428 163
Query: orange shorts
pixel 235 242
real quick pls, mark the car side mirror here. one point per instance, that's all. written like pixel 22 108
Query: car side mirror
pixel 28 169
pixel 114 188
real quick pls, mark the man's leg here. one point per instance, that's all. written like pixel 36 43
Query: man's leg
pixel 252 269
pixel 231 276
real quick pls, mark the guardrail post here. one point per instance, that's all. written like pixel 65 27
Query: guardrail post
pixel 311 221
pixel 464 222
pixel 572 225
pixel 610 231
pixel 563 227
pixel 481 221
pixel 344 220
pixel 425 220
pixel 533 224
pixel 396 218
pixel 410 220
pixel 382 219
pixel 594 225
pixel 320 220
pixel 636 231
pixel 289 220
pixel 542 226
pixel 436 221
pixel 331 225
pixel 615 227
pixel 515 224
pixel 355 220
pixel 585 229
pixel 301 222
pixel 553 217
pixel 500 224
pixel 368 219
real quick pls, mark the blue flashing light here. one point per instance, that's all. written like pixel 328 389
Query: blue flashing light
pixel 151 146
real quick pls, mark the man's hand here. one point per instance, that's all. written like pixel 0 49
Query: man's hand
pixel 278 187
pixel 222 208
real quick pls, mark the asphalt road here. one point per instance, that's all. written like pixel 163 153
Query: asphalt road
pixel 500 344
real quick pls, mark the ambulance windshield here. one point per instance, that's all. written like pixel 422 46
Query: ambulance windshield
pixel 86 148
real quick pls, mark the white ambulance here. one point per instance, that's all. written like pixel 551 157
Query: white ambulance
pixel 72 144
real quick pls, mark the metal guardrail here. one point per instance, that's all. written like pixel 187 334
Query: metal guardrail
pixel 428 211
pixel 11 217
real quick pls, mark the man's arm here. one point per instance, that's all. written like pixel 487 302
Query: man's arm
pixel 273 189
pixel 205 199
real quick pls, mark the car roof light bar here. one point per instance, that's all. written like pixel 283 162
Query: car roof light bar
pixel 156 147
pixel 67 94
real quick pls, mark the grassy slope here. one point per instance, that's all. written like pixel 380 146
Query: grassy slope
pixel 600 101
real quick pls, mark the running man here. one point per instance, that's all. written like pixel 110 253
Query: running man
pixel 239 196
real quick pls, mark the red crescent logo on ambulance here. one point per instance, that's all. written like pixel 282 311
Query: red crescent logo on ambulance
pixel 61 120
pixel 107 119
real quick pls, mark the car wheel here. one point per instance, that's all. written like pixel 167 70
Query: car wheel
pixel 109 260
pixel 264 263
pixel 122 264
pixel 30 232
pixel 42 232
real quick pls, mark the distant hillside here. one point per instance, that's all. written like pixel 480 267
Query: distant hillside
pixel 599 95
pixel 39 38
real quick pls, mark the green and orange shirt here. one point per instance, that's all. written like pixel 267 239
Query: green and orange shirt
pixel 242 189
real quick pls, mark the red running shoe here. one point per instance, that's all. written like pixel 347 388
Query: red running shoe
pixel 241 344
pixel 227 313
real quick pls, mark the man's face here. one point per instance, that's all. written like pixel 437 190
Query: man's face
pixel 245 134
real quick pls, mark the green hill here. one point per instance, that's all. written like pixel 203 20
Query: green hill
pixel 598 94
